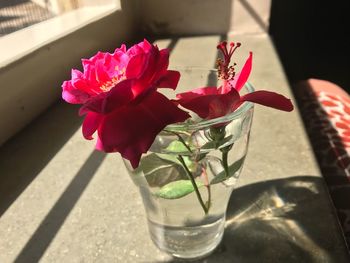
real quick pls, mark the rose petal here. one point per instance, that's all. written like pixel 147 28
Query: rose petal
pixel 99 145
pixel 136 66
pixel 144 121
pixel 142 47
pixel 145 45
pixel 169 80
pixel 161 64
pixel 117 97
pixel 121 59
pixel 93 59
pixel 90 124
pixel 101 73
pixel 269 99
pixel 73 95
pixel 121 49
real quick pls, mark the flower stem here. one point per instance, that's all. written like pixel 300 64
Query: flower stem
pixel 224 162
pixel 199 197
pixel 207 185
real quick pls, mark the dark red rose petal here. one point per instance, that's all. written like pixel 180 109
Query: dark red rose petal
pixel 132 129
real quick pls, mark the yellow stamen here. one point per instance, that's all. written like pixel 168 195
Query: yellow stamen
pixel 108 85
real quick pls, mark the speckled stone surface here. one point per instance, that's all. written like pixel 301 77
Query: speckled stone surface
pixel 60 201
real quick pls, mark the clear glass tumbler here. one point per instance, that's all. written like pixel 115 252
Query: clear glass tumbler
pixel 188 175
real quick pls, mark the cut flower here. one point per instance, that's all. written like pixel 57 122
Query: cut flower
pixel 213 102
pixel 120 101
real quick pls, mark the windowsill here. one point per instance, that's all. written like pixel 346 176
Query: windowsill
pixel 29 39
pixel 36 60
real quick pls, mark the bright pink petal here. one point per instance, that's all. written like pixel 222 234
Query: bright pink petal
pixel 91 61
pixel 110 66
pixel 269 99
pixel 90 125
pixel 91 78
pixel 155 65
pixel 169 80
pixel 101 72
pixel 73 95
pixel 121 58
pixel 121 49
pixel 144 121
pixel 242 77
pixel 145 45
pixel 99 145
pixel 142 47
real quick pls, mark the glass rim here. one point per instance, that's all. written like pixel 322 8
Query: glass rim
pixel 247 105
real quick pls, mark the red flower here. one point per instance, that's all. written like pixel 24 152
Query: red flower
pixel 120 99
pixel 213 102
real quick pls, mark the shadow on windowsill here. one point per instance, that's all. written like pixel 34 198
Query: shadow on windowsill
pixel 274 221
pixel 27 153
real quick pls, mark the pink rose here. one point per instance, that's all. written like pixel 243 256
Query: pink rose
pixel 213 102
pixel 120 101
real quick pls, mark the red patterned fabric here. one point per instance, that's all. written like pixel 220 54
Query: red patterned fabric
pixel 325 108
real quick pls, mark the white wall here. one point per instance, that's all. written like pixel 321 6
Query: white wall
pixel 200 17
pixel 34 61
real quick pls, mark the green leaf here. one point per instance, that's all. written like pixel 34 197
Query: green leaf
pixel 174 159
pixel 232 169
pixel 216 144
pixel 177 147
pixel 159 171
pixel 177 189
pixel 201 156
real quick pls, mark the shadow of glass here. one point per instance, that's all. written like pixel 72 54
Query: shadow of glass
pixel 284 220
pixel 27 153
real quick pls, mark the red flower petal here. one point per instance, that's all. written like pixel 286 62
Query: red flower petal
pixel 90 124
pixel 144 121
pixel 169 80
pixel 242 77
pixel 269 99
pixel 73 95
pixel 136 66
pixel 185 96
pixel 224 104
pixel 117 97
pixel 162 63
pixel 207 103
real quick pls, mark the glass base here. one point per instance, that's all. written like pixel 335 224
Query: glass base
pixel 187 242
